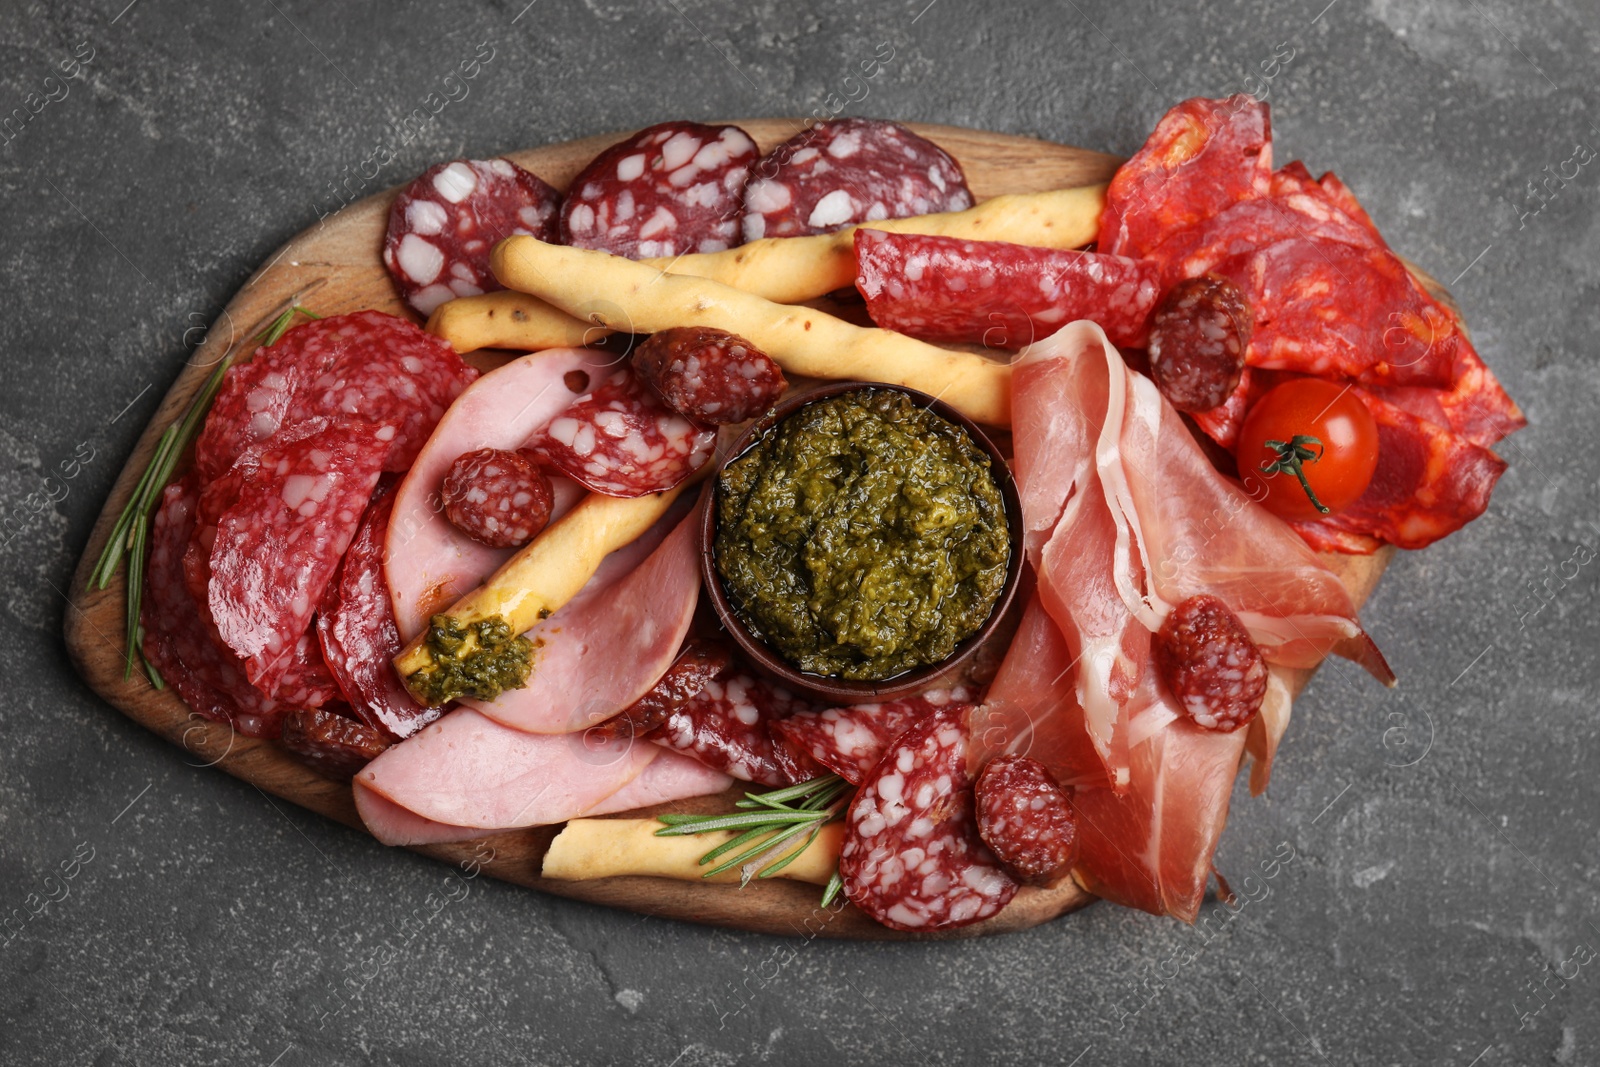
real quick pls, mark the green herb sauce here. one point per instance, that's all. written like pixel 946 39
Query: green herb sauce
pixel 862 537
pixel 477 659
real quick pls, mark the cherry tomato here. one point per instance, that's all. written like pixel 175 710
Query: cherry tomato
pixel 1320 427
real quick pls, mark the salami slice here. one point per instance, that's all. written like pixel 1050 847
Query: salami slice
pixel 1428 484
pixel 1198 339
pixel 332 744
pixel 668 190
pixel 443 225
pixel 999 295
pixel 179 638
pixel 1477 406
pixel 1026 819
pixel 277 547
pixel 1203 156
pixel 620 440
pixel 307 680
pixel 358 635
pixel 711 376
pixel 850 741
pixel 698 664
pixel 498 498
pixel 368 366
pixel 844 171
pixel 1206 659
pixel 725 726
pixel 912 858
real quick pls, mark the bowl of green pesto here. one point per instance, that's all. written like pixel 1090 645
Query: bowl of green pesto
pixel 862 540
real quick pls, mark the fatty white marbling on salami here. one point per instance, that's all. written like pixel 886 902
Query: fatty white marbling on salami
pixel 711 376
pixel 843 171
pixel 725 726
pixel 850 741
pixel 668 190
pixel 443 225
pixel 912 857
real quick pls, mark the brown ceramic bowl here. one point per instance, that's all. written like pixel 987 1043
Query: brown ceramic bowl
pixel 830 688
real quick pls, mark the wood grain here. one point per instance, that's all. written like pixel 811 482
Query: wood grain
pixel 335 267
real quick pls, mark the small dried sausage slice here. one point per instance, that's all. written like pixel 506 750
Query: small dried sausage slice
pixel 1205 656
pixel 997 294
pixel 620 440
pixel 698 663
pixel 443 225
pixel 1026 818
pixel 1198 338
pixel 709 375
pixel 668 190
pixel 498 498
pixel 332 744
pixel 850 741
pixel 843 171
pixel 724 726
pixel 912 858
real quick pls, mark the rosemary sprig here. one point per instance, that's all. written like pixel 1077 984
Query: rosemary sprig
pixel 777 827
pixel 130 535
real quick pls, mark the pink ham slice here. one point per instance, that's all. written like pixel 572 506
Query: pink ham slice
pixel 430 563
pixel 607 646
pixel 666 778
pixel 467 770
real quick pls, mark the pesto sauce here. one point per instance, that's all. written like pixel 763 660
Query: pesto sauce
pixel 862 536
pixel 479 659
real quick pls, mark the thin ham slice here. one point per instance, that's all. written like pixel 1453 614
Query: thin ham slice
pixel 607 646
pixel 666 778
pixel 429 563
pixel 468 770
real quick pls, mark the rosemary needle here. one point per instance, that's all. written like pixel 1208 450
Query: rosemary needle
pixel 772 824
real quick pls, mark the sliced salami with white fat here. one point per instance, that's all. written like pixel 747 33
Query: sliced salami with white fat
pixel 443 225
pixel 668 190
pixel 843 171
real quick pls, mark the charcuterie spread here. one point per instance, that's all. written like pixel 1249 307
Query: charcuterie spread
pixel 986 571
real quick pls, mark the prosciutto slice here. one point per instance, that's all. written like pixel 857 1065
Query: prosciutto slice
pixel 607 646
pixel 429 563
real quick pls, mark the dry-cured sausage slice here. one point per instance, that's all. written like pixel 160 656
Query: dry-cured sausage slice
pixel 1198 339
pixel 179 638
pixel 1026 819
pixel 850 741
pixel 843 171
pixel 368 366
pixel 668 190
pixel 620 440
pixel 1212 668
pixel 912 858
pixel 442 226
pixel 277 547
pixel 698 663
pixel 332 744
pixel 999 295
pixel 711 376
pixel 725 726
pixel 358 634
pixel 497 497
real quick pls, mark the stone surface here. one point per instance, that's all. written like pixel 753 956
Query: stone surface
pixel 1444 835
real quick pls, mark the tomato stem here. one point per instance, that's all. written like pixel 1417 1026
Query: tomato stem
pixel 1293 454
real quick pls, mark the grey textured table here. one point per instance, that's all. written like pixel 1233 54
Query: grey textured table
pixel 1444 836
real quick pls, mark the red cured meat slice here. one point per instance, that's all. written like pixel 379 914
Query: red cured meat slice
pixel 725 726
pixel 668 190
pixel 1211 668
pixel 997 294
pixel 912 857
pixel 1223 423
pixel 179 638
pixel 620 440
pixel 443 225
pixel 307 681
pixel 1203 156
pixel 498 498
pixel 850 741
pixel 1254 224
pixel 1198 338
pixel 1335 310
pixel 844 171
pixel 368 366
pixel 1429 483
pixel 359 638
pixel 698 663
pixel 1477 406
pixel 332 744
pixel 1026 819
pixel 711 376
pixel 277 547
pixel 1345 199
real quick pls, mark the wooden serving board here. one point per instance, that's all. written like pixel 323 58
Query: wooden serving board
pixel 335 267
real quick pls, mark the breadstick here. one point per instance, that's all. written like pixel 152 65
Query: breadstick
pixel 606 848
